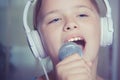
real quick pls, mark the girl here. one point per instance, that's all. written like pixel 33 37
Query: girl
pixel 62 21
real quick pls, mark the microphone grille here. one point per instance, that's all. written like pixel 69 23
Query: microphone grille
pixel 68 49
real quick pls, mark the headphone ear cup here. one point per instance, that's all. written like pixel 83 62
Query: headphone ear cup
pixel 38 44
pixel 106 33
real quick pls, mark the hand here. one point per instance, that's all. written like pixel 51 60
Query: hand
pixel 74 67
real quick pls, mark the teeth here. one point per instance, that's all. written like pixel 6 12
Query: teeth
pixel 74 39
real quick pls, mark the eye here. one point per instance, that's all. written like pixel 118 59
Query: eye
pixel 83 15
pixel 54 20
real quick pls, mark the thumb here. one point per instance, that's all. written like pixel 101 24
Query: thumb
pixel 87 61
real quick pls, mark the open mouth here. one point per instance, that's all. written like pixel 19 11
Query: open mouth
pixel 79 41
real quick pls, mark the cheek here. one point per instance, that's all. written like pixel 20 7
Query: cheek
pixel 93 27
pixel 93 46
pixel 92 35
pixel 52 40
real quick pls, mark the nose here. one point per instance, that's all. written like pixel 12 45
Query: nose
pixel 70 26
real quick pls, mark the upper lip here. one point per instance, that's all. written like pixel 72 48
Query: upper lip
pixel 73 38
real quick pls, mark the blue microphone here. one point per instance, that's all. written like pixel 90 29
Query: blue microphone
pixel 68 49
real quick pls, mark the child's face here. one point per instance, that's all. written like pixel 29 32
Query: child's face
pixel 64 20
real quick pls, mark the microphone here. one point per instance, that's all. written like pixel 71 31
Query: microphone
pixel 68 49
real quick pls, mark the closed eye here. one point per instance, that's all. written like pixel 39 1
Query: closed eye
pixel 83 15
pixel 54 20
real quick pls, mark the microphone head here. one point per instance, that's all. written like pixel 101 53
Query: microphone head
pixel 68 49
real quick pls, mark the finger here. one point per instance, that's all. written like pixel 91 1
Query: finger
pixel 75 62
pixel 79 70
pixel 70 64
pixel 87 62
pixel 70 58
pixel 77 77
pixel 78 66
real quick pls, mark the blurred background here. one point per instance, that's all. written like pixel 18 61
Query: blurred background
pixel 16 59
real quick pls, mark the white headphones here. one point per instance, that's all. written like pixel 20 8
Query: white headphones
pixel 34 40
pixel 36 43
pixel 106 24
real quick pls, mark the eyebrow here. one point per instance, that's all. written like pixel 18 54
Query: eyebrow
pixel 80 6
pixel 57 10
pixel 51 12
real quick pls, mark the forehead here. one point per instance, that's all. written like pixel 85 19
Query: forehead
pixel 50 5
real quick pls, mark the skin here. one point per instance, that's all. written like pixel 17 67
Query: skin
pixel 61 20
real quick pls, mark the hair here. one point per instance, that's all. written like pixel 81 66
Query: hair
pixel 37 9
pixel 36 12
pixel 95 4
